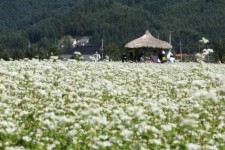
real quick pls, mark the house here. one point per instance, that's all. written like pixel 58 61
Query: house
pixel 83 41
pixel 86 52
pixel 68 41
pixel 74 42
pixel 181 55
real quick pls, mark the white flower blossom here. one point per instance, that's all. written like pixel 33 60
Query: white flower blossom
pixel 204 40
pixel 192 146
pixel 189 122
pixel 77 53
pixel 27 138
pixel 209 147
pixel 166 127
pixel 155 141
pixel 126 133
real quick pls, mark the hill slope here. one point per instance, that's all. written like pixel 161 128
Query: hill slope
pixel 18 14
pixel 117 21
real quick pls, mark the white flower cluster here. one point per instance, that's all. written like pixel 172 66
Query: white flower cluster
pixel 201 56
pixel 77 53
pixel 111 105
pixel 207 51
pixel 204 40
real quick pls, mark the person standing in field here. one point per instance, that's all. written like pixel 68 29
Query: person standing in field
pixel 97 56
pixel 124 57
pixel 163 57
pixel 169 54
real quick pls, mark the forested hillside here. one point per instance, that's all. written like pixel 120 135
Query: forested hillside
pixel 19 14
pixel 42 23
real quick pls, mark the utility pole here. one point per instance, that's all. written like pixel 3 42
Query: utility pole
pixel 102 48
pixel 180 51
pixel 29 45
pixel 170 37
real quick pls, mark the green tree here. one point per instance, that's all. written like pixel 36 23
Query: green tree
pixel 56 51
pixel 5 55
pixel 45 43
pixel 113 51
pixel 18 54
pixel 13 41
pixel 219 51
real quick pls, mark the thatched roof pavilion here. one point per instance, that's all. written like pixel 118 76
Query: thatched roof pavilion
pixel 148 41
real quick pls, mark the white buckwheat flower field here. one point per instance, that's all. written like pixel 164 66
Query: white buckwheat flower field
pixel 111 105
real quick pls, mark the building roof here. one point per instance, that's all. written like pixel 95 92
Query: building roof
pixel 84 50
pixel 179 55
pixel 148 41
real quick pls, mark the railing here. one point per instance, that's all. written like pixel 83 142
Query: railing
pixel 209 58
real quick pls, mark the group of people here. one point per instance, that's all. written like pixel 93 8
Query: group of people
pixel 160 57
pixel 163 57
